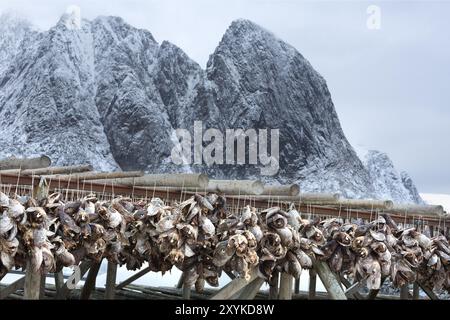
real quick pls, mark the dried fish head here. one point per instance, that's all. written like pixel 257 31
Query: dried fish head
pixel 204 203
pixel 154 207
pixel 222 253
pixel 342 238
pixel 207 226
pixel 294 267
pixel 188 231
pixel 304 259
pixel 239 242
pixel 377 236
pixel 285 235
pixel 251 257
pixel 252 242
pixel 15 209
pixel 276 220
pixel 257 232
pixel 4 200
pixel 6 224
pixel 175 256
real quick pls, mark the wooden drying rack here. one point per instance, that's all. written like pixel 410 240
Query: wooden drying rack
pixel 37 177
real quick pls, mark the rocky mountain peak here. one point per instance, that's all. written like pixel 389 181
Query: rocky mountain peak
pixel 108 94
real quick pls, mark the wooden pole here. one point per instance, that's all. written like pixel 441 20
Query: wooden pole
pixel 234 286
pixel 13 287
pixel 57 170
pixel 273 286
pixel 253 187
pixel 365 204
pixel 180 281
pixel 286 286
pixel 419 210
pixel 42 286
pixel 312 284
pixel 251 290
pixel 59 282
pixel 104 176
pixel 89 284
pixel 404 292
pixel 329 280
pixel 32 286
pixel 25 163
pixel 284 190
pixel 186 292
pixel 297 286
pixel 430 293
pixel 181 180
pixel 64 290
pixel 133 278
pixel 302 198
pixel 111 274
pixel 416 289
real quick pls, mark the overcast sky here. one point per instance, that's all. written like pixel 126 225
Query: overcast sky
pixel 391 87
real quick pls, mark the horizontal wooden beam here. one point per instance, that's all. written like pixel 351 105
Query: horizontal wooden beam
pixel 87 176
pixel 13 287
pixel 182 180
pixel 253 187
pixel 365 204
pixel 233 287
pixel 302 198
pixel 422 210
pixel 291 190
pixel 25 163
pixel 57 170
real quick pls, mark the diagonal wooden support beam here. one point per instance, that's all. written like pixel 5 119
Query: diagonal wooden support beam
pixel 251 290
pixel 133 278
pixel 234 286
pixel 65 289
pixel 329 280
pixel 430 293
pixel 89 284
pixel 13 287
pixel 352 289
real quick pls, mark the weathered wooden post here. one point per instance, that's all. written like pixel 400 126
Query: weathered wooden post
pixel 286 286
pixel 312 284
pixel 273 286
pixel 111 275
pixel 416 289
pixel 329 280
pixel 89 284
pixel 32 287
pixel 59 282
pixel 404 292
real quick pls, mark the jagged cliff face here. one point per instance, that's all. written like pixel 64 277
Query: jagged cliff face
pixel 110 95
pixel 388 182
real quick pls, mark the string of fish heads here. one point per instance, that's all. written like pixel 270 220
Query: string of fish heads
pixel 202 238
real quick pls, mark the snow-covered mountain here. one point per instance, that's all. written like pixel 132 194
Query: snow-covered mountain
pixel 109 94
